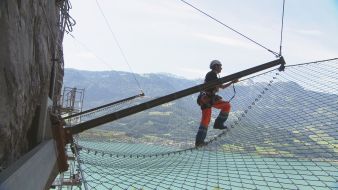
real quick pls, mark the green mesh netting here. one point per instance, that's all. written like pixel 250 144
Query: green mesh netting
pixel 282 134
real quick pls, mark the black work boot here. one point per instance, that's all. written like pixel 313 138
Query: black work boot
pixel 200 136
pixel 220 120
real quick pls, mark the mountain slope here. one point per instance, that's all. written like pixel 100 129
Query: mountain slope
pixel 107 86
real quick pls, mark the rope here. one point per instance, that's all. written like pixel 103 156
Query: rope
pixel 320 61
pixel 281 31
pixel 118 44
pixel 213 18
pixel 99 58
pixel 234 89
pixel 65 19
pixel 88 49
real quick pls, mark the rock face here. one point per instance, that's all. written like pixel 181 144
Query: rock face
pixel 28 35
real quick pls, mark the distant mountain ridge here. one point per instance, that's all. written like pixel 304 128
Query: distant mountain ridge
pixel 106 86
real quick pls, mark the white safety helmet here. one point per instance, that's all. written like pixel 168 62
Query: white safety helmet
pixel 214 63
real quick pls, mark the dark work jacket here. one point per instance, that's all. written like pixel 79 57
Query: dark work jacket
pixel 207 98
pixel 211 76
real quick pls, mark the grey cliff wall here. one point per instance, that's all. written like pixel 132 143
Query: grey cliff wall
pixel 28 34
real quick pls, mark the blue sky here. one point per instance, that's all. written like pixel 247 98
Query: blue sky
pixel 169 36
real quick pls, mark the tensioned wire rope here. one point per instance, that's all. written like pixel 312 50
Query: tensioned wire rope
pixel 106 109
pixel 245 36
pixel 102 60
pixel 117 43
pixel 241 34
pixel 113 108
pixel 124 57
pixel 288 140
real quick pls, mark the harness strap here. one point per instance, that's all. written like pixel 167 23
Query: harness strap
pixel 233 96
pixel 207 100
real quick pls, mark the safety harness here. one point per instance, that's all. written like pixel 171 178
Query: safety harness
pixel 207 99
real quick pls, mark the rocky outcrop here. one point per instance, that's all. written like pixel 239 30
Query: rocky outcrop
pixel 28 39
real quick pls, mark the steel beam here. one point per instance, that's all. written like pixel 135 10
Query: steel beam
pixel 168 98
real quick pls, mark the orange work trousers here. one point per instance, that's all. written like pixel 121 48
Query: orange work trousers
pixel 224 106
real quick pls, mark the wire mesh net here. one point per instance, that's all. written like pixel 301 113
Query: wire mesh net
pixel 282 134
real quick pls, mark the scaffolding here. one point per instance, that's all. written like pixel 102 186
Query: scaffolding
pixel 71 102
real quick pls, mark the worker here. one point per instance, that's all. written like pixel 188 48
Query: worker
pixel 208 99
